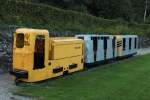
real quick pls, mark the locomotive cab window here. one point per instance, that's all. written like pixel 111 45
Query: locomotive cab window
pixel 39 52
pixel 20 40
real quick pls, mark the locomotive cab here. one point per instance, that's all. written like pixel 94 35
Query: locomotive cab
pixel 29 54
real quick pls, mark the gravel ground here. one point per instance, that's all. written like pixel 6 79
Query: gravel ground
pixel 7 85
pixel 143 51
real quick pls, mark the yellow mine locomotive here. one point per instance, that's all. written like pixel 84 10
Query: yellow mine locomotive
pixel 37 56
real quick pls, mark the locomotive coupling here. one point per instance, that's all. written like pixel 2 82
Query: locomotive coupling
pixel 19 73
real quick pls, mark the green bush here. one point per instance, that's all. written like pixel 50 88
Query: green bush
pixel 43 16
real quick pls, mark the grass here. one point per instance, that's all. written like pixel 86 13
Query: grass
pixel 123 80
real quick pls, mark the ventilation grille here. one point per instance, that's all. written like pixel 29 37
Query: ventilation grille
pixel 119 43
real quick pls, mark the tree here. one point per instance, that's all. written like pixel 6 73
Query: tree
pixel 145 13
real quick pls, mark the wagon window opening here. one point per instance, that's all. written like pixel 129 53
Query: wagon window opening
pixel 105 43
pixel 114 42
pixel 135 43
pixel 95 39
pixel 124 43
pixel 20 40
pixel 94 43
pixel 130 40
pixel 105 47
pixel 113 45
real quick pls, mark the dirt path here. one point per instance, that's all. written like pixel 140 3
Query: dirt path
pixel 7 85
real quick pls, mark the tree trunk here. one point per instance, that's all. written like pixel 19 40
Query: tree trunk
pixel 145 13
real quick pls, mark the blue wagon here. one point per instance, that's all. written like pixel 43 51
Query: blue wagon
pixel 99 47
pixel 130 44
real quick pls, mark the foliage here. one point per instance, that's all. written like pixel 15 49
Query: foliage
pixel 129 10
pixel 35 15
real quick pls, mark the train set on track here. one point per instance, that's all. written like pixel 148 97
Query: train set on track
pixel 37 56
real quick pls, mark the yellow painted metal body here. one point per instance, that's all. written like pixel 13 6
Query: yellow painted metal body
pixel 65 52
pixel 59 52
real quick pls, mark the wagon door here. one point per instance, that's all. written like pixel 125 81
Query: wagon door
pixel 100 49
pixel 110 47
pixel 119 47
